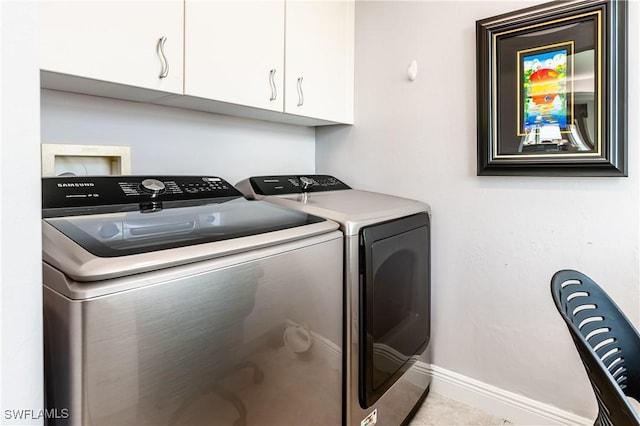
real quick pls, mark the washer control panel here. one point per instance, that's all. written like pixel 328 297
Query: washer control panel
pixel 91 191
pixel 293 184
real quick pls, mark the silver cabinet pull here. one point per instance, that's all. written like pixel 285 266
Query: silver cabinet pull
pixel 272 83
pixel 300 92
pixel 164 72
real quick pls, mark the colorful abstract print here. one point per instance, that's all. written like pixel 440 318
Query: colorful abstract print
pixel 544 86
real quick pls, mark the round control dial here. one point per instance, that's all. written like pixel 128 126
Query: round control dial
pixel 306 182
pixel 152 186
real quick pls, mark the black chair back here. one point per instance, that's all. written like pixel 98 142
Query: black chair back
pixel 607 342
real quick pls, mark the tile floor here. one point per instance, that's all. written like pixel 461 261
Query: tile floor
pixel 440 411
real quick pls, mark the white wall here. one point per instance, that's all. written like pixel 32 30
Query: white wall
pixel 167 140
pixel 21 367
pixel 496 240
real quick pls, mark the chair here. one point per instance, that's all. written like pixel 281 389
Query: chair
pixel 608 344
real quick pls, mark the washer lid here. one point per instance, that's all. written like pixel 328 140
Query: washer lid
pixel 99 227
pixel 135 232
pixel 98 247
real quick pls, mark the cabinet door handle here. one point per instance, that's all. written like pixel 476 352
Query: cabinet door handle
pixel 272 83
pixel 300 92
pixel 164 72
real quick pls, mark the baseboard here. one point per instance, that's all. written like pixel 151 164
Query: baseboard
pixel 515 408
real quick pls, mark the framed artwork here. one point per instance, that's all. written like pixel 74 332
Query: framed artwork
pixel 551 90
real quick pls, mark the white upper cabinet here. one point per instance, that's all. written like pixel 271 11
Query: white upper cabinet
pixel 289 61
pixel 319 59
pixel 133 43
pixel 234 52
pixel 293 56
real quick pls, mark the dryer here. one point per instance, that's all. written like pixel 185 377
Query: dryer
pixel 173 300
pixel 387 290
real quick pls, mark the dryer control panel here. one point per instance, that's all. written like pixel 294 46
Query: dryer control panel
pixel 293 184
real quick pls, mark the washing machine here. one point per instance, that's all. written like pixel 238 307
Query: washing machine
pixel 387 290
pixel 173 300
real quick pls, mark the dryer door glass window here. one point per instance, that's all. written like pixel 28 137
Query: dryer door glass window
pixel 394 305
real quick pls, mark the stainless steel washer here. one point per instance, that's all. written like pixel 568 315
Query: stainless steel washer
pixel 173 300
pixel 387 290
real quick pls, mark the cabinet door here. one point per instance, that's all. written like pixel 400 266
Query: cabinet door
pixel 234 51
pixel 114 41
pixel 319 59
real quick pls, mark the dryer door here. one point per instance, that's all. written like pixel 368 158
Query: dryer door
pixel 394 302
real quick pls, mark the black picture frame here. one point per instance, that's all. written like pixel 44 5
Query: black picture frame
pixel 552 90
